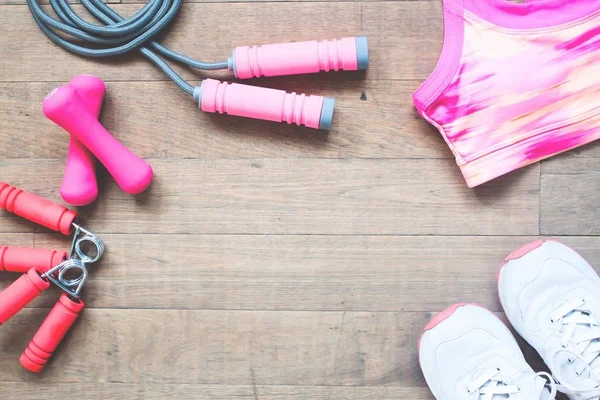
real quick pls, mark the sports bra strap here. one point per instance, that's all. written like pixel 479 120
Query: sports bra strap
pixel 449 59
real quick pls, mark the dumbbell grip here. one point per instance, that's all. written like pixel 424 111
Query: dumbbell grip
pixel 79 186
pixel 52 331
pixel 36 209
pixel 20 293
pixel 20 259
pixel 65 108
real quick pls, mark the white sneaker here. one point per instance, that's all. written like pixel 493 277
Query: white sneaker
pixel 551 296
pixel 466 353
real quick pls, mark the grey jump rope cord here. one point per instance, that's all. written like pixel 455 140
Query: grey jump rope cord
pixel 119 35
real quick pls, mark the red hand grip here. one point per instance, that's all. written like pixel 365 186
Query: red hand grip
pixel 51 333
pixel 20 293
pixel 20 259
pixel 66 109
pixel 36 209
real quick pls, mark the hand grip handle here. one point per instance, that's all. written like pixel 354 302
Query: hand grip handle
pixel 349 54
pixel 262 103
pixel 65 107
pixel 20 259
pixel 54 328
pixel 79 186
pixel 20 293
pixel 36 209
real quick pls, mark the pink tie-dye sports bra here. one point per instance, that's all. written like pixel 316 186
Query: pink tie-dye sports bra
pixel 515 83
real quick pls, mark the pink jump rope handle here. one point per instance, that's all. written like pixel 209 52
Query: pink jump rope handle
pixel 36 209
pixel 79 186
pixel 262 103
pixel 65 108
pixel 20 293
pixel 349 54
pixel 54 328
pixel 20 259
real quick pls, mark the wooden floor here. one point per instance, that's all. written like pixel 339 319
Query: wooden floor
pixel 268 261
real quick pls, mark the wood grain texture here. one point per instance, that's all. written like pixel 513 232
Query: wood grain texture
pixel 569 188
pixel 298 273
pixel 404 38
pixel 222 347
pixel 19 240
pixel 227 348
pixel 157 120
pixel 11 223
pixel 302 196
pixel 152 391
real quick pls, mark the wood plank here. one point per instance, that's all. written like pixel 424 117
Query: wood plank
pixel 165 123
pixel 227 348
pixel 153 391
pixel 568 196
pixel 19 240
pixel 11 223
pixel 204 347
pixel 282 196
pixel 409 53
pixel 302 273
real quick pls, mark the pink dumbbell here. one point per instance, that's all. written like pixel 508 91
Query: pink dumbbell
pixel 349 54
pixel 262 103
pixel 68 110
pixel 79 186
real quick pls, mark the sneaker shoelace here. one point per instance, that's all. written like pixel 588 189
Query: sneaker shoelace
pixel 580 337
pixel 489 384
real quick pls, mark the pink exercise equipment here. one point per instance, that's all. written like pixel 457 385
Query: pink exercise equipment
pixel 78 115
pixel 42 267
pixel 348 54
pixel 274 105
pixel 79 186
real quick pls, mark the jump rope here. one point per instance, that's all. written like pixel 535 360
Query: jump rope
pixel 120 36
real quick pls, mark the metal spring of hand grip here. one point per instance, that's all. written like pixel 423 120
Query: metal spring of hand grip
pixel 77 261
pixel 84 236
pixel 70 286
